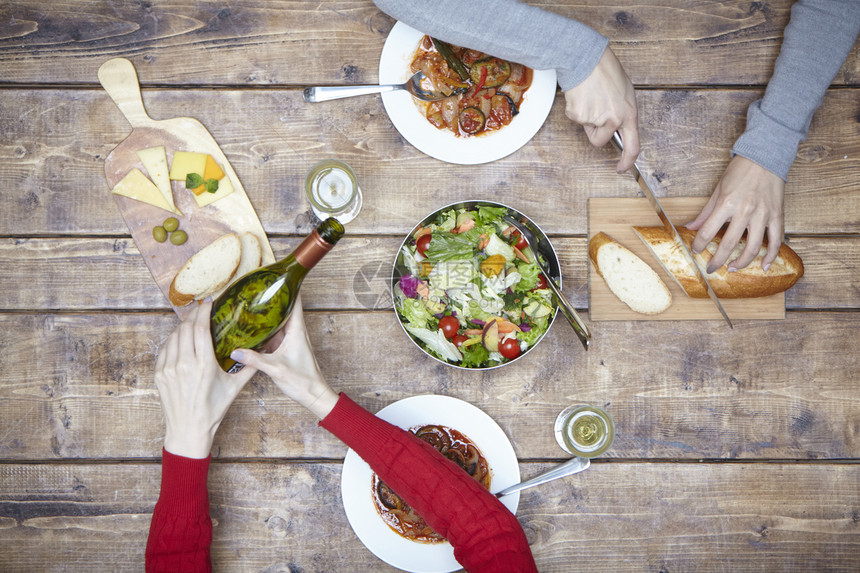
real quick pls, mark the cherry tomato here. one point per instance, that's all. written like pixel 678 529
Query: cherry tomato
pixel 541 282
pixel 459 340
pixel 521 242
pixel 509 348
pixel 422 244
pixel 449 326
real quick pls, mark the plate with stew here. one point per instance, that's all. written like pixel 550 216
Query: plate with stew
pixel 387 526
pixel 495 106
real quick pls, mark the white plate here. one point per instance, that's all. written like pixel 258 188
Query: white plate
pixel 356 480
pixel 407 117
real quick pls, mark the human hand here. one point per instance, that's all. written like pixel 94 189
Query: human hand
pixel 292 366
pixel 195 392
pixel 604 103
pixel 750 197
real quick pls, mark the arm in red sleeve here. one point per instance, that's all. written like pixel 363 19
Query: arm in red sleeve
pixel 486 536
pixel 181 531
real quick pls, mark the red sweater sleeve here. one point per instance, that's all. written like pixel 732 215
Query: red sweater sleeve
pixel 180 533
pixel 486 536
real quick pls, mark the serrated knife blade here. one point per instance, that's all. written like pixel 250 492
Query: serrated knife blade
pixel 667 223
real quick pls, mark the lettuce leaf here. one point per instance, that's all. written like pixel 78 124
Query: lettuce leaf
pixel 474 355
pixel 437 343
pixel 416 313
pixel 530 274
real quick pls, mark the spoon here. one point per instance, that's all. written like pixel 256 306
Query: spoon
pixel 412 85
pixel 570 467
pixel 563 304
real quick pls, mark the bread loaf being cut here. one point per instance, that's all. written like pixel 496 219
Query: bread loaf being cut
pixel 627 276
pixel 749 282
pixel 208 271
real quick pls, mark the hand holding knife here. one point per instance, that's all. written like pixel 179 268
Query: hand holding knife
pixel 667 223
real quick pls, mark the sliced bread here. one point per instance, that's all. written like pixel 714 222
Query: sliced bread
pixel 252 257
pixel 749 282
pixel 629 278
pixel 208 271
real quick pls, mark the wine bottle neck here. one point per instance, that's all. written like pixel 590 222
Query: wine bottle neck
pixel 311 250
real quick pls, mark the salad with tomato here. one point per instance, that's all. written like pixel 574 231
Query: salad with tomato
pixel 470 290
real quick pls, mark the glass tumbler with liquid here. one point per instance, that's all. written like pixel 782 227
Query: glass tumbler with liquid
pixel 332 190
pixel 585 431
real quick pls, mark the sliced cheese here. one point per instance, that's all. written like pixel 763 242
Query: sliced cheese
pixel 136 186
pixel 155 161
pixel 185 162
pixel 211 171
pixel 224 189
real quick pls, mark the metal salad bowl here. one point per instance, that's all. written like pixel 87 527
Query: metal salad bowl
pixel 543 248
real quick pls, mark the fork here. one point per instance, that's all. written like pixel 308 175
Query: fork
pixel 570 467
pixel 564 305
pixel 412 85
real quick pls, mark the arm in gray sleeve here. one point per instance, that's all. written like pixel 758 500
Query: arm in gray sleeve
pixel 816 42
pixel 517 32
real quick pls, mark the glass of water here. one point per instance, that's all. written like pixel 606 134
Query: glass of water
pixel 332 190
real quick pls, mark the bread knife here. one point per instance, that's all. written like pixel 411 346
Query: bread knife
pixel 667 223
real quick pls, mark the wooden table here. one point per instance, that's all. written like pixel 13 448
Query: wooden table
pixel 736 450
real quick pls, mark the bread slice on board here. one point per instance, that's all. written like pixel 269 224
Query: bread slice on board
pixel 627 276
pixel 749 282
pixel 252 257
pixel 208 271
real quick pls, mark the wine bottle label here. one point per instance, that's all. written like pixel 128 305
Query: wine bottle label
pixel 311 250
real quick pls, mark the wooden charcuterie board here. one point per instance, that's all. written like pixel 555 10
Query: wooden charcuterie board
pixel 233 213
pixel 616 218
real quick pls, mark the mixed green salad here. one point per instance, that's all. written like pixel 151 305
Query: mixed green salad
pixel 471 291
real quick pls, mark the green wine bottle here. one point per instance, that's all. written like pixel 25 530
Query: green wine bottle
pixel 256 306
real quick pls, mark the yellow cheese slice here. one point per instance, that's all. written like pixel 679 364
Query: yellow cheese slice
pixel 155 161
pixel 224 189
pixel 136 186
pixel 211 171
pixel 185 162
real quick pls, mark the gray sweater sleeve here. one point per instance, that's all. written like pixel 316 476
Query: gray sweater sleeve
pixel 816 42
pixel 520 33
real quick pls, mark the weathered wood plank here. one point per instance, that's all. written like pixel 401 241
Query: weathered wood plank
pixel 292 42
pixel 53 144
pixel 616 517
pixel 110 274
pixel 80 386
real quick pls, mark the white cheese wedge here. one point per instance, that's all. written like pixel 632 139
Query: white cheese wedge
pixel 224 189
pixel 155 161
pixel 136 186
pixel 185 162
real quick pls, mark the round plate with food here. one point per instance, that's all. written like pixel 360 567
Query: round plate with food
pixel 467 289
pixel 495 107
pixel 358 491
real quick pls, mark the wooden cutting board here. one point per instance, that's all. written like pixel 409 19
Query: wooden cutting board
pixel 616 218
pixel 233 213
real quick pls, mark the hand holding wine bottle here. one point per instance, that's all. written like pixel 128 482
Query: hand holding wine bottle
pixel 256 306
pixel 195 392
pixel 292 366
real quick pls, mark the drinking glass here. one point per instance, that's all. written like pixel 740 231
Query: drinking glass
pixel 332 190
pixel 583 430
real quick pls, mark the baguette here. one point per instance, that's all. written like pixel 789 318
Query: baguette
pixel 207 271
pixel 749 282
pixel 629 278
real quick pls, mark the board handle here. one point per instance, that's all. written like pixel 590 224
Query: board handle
pixel 119 79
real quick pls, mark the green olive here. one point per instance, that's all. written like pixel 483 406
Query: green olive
pixel 159 234
pixel 178 237
pixel 171 224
